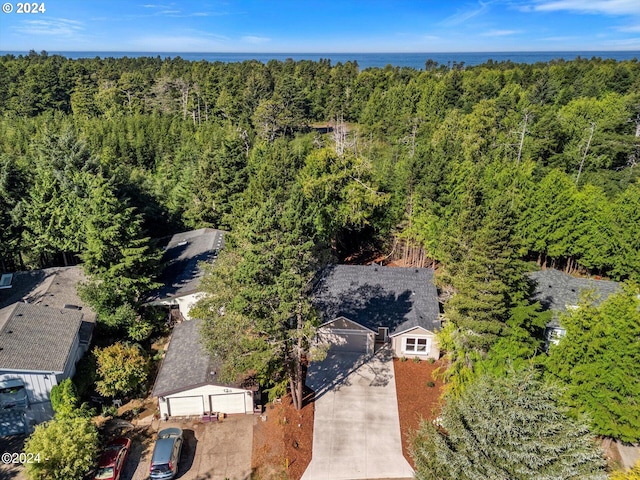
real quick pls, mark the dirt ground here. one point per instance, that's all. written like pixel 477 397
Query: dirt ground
pixel 283 442
pixel 416 399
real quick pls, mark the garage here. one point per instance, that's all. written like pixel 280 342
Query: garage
pixel 228 403
pixel 185 406
pixel 346 341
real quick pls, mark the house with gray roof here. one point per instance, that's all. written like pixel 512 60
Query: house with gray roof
pixel 560 292
pixel 182 268
pixel 188 383
pixel 364 306
pixel 44 330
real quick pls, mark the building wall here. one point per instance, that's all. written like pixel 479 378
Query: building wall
pixel 397 344
pixel 205 391
pixel 37 384
pixel 185 303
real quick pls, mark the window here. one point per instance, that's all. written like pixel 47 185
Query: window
pixel 419 345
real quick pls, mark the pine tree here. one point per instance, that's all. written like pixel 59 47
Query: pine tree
pixel 599 362
pixel 506 428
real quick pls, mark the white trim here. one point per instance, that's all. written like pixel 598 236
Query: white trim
pixel 413 352
pixel 348 320
pixel 347 330
pixel 395 334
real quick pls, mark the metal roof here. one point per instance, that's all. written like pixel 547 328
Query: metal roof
pixel 377 296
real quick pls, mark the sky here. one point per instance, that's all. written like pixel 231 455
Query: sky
pixel 323 26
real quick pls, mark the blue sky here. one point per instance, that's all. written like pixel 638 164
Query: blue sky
pixel 324 26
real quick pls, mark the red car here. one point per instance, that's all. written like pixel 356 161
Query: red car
pixel 113 459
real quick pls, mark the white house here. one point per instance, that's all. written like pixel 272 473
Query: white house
pixel 44 330
pixel 182 271
pixel 364 306
pixel 188 384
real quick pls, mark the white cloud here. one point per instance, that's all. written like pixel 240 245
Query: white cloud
pixel 500 33
pixel 255 40
pixel 629 28
pixel 607 7
pixel 463 15
pixel 61 27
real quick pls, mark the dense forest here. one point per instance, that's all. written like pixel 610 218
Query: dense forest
pixel 481 171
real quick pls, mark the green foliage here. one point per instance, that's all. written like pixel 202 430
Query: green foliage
pixel 64 398
pixel 599 362
pixel 506 428
pixel 633 474
pixel 341 193
pixel 258 316
pixel 122 370
pixel 66 446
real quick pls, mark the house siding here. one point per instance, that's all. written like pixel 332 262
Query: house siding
pixel 37 384
pixel 397 343
pixel 184 303
pixel 205 392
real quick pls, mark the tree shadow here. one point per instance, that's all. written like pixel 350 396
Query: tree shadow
pixel 339 369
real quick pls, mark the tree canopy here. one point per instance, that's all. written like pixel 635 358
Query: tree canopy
pixel 506 428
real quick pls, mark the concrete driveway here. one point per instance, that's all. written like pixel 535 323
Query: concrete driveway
pixel 212 451
pixel 356 429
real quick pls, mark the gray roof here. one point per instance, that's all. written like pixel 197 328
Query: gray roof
pixel 40 308
pixel 556 290
pixel 37 338
pixel 376 296
pixel 181 274
pixel 186 363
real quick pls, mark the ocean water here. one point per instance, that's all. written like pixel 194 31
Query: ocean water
pixel 367 60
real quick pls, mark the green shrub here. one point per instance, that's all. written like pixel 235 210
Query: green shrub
pixel 431 384
pixel 416 359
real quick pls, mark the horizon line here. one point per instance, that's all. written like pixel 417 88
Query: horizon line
pixel 318 53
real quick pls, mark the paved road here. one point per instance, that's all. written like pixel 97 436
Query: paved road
pixel 357 428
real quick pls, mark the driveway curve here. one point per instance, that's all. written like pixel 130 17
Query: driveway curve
pixel 356 428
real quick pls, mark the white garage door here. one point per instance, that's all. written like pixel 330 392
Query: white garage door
pixel 228 403
pixel 186 406
pixel 345 341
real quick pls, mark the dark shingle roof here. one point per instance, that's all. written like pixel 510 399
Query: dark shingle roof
pixel 50 287
pixel 181 274
pixel 556 290
pixel 186 363
pixel 37 338
pixel 376 296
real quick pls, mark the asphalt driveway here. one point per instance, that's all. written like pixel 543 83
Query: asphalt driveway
pixel 356 429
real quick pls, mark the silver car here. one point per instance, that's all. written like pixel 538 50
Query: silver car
pixel 166 454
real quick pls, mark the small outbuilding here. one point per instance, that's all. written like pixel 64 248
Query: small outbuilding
pixel 188 384
pixel 367 306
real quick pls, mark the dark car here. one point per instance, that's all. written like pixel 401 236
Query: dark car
pixel 113 459
pixel 166 454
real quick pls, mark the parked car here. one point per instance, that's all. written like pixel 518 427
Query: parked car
pixel 113 459
pixel 166 454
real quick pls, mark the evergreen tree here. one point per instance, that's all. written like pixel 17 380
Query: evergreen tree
pixel 506 428
pixel 599 363
pixel 259 291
